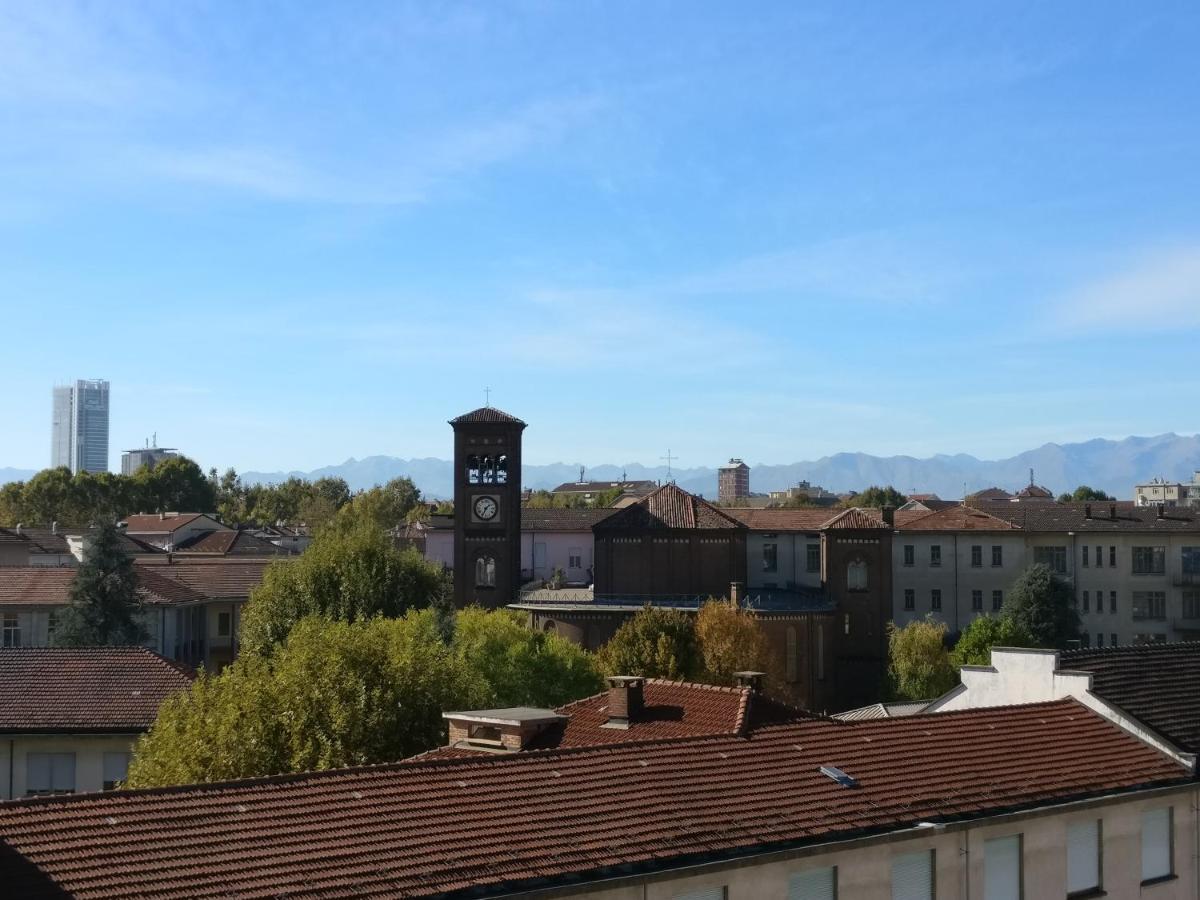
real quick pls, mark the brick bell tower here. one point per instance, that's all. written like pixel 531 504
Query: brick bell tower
pixel 487 507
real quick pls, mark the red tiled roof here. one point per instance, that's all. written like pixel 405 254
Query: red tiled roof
pixel 487 415
pixel 230 543
pixel 799 519
pixel 1158 684
pixel 86 689
pixel 1054 516
pixel 857 518
pixel 218 578
pixel 153 523
pixel 956 518
pixel 562 519
pixel 51 586
pixel 41 540
pixel 502 823
pixel 669 507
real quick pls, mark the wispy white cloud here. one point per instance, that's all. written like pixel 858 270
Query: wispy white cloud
pixel 1160 291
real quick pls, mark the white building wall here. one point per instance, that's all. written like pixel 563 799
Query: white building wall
pixel 89 753
pixel 544 551
pixel 791 560
pixel 956 577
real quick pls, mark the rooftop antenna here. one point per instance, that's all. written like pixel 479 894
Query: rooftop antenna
pixel 1031 476
pixel 154 440
pixel 581 474
pixel 487 396
pixel 624 477
pixel 669 458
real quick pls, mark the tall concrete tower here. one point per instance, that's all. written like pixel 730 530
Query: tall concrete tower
pixel 79 427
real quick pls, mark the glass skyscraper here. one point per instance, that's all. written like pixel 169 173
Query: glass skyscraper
pixel 79 430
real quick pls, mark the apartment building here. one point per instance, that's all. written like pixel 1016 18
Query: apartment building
pixel 733 481
pixel 1168 493
pixel 660 791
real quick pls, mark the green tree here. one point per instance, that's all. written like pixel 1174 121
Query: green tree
pixel 12 504
pixel 1042 605
pixel 1085 494
pixel 49 497
pixel 974 646
pixel 796 501
pixel 175 484
pixel 877 497
pixel 336 694
pixel 386 506
pixel 104 607
pixel 520 666
pixel 346 574
pixel 732 640
pixel 656 643
pixel 919 666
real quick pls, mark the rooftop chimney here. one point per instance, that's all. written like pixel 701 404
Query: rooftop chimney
pixel 1087 510
pixel 1112 511
pixel 500 730
pixel 889 516
pixel 752 680
pixel 19 527
pixel 625 700
pixel 735 593
pixel 54 526
pixel 1159 512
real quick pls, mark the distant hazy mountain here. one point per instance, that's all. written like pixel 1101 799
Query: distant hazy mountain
pixel 1113 466
pixel 7 474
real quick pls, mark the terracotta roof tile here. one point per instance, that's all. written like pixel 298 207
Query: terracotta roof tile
pixel 562 519
pixel 1054 516
pixel 956 518
pixel 487 415
pixel 857 518
pixel 541 818
pixel 51 586
pixel 1156 683
pixel 41 540
pixel 153 523
pixel 669 507
pixel 801 519
pixel 218 578
pixel 86 689
pixel 230 543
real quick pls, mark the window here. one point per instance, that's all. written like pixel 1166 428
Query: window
pixel 1083 856
pixel 813 558
pixel 51 626
pixel 815 884
pixel 575 558
pixel 791 659
pixel 1191 560
pixel 997 555
pixel 502 469
pixel 997 600
pixel 1086 602
pixel 1149 560
pixel 1112 556
pixel 912 876
pixel 49 773
pixel 935 599
pixel 910 554
pixel 1150 605
pixel 1191 604
pixel 1112 601
pixel 12 630
pixel 1084 562
pixel 1085 639
pixel 473 475
pixel 1099 556
pixel 1112 639
pixel 977 601
pixel 116 769
pixel 223 622
pixel 976 556
pixel 910 599
pixel 935 555
pixel 1157 841
pixel 1145 637
pixel 856 576
pixel 1054 557
pixel 1099 638
pixel 1002 868
pixel 485 571
pixel 770 557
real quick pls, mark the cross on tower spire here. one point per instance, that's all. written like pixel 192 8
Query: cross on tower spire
pixel 487 396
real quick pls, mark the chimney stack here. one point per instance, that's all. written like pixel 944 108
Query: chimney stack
pixel 1159 512
pixel 889 516
pixel 54 526
pixel 1087 510
pixel 752 680
pixel 1112 510
pixel 625 700
pixel 735 593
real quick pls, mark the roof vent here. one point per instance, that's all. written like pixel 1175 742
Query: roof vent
pixel 752 680
pixel 836 774
pixel 508 729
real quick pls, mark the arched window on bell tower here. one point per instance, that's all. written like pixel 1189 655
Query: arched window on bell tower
pixel 485 570
pixel 856 576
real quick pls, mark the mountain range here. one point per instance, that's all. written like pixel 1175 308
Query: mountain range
pixel 1112 466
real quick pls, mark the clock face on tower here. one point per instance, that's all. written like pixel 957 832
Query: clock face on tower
pixel 485 508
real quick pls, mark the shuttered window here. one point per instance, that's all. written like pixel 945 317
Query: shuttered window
pixel 1083 856
pixel 815 884
pixel 717 893
pixel 912 876
pixel 1002 868
pixel 1156 844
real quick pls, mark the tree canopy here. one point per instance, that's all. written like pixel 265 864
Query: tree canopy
pixel 656 643
pixel 347 573
pixel 877 497
pixel 541 499
pixel 1040 604
pixel 105 607
pixel 353 693
pixel 1083 493
pixel 919 666
pixel 732 640
pixel 974 646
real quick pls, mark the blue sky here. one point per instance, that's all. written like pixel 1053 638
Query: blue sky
pixel 289 233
